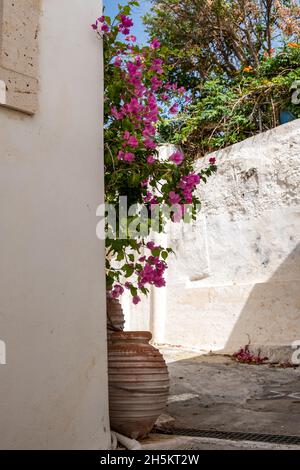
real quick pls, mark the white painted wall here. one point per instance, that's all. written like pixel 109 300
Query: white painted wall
pixel 53 389
pixel 237 272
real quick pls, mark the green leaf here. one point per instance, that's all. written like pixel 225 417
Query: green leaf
pixel 120 256
pixel 129 270
pixel 133 291
pixel 156 251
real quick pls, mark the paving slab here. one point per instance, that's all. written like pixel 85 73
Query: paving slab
pixel 162 442
pixel 216 393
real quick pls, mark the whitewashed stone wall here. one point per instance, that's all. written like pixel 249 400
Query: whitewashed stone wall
pixel 236 277
pixel 53 363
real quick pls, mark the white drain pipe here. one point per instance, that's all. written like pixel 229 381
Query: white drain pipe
pixel 130 444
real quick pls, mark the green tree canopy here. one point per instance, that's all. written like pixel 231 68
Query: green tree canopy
pixel 239 60
pixel 206 37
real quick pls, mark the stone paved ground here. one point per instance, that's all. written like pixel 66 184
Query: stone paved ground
pixel 162 442
pixel 216 393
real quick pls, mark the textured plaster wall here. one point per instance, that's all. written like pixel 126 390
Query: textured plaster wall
pixel 237 272
pixel 19 41
pixel 53 388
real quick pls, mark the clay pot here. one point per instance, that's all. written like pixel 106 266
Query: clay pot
pixel 138 383
pixel 115 316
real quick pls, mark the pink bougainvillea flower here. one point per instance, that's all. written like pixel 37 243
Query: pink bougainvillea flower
pixel 100 21
pixel 133 141
pixel 132 68
pixel 155 44
pixel 212 160
pixel 153 260
pixel 136 299
pixel 155 83
pixel 148 196
pixel 153 202
pixel 117 114
pixel 129 157
pixel 133 107
pixel 145 183
pixel 150 245
pixel 126 135
pixel 181 90
pixel 187 193
pixel 174 109
pixel 149 130
pixel 121 155
pixel 156 66
pixel 194 179
pixel 118 62
pixel 126 21
pixel 135 80
pixel 151 159
pixel 177 157
pixel 125 24
pixel 117 291
pixel 126 156
pixel 152 272
pixel 139 90
pixel 130 38
pixel 174 198
pixel 189 182
pixel 149 143
pixel 159 282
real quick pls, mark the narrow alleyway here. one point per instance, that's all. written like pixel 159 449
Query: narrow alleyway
pixel 217 393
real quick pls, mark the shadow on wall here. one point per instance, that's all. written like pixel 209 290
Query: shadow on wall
pixel 272 309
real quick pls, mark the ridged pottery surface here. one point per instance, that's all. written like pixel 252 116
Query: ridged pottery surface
pixel 138 383
pixel 115 316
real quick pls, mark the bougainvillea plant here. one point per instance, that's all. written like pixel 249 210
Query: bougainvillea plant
pixel 137 95
pixel 245 356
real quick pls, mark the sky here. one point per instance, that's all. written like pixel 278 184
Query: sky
pixel 111 9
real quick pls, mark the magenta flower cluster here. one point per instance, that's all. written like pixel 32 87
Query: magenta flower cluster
pixel 137 96
pixel 245 356
pixel 101 25
pixel 141 106
pixel 150 271
pixel 125 24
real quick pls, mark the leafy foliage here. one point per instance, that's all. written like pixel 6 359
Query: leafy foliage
pixel 237 58
pixel 137 95
pixel 228 111
pixel 207 38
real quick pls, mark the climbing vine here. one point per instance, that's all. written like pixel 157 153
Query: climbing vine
pixel 137 97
